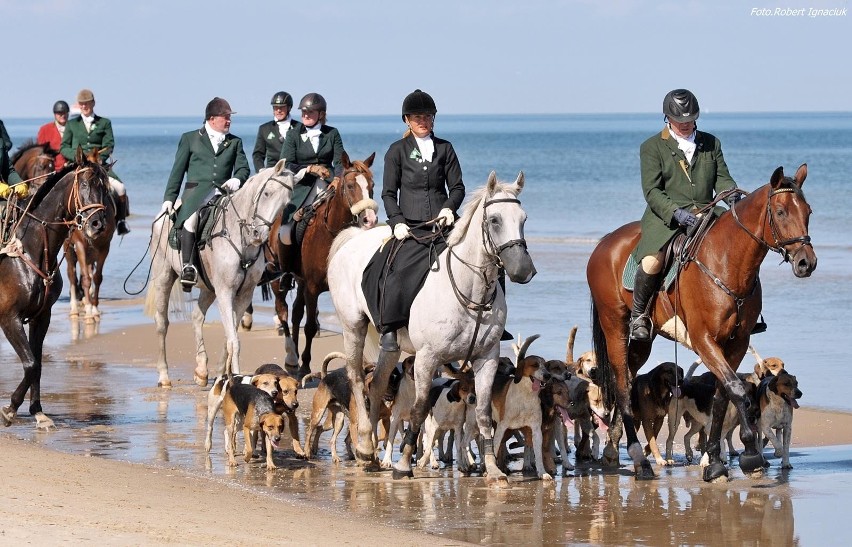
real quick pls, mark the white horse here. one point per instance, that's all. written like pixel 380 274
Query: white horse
pixel 233 262
pixel 460 299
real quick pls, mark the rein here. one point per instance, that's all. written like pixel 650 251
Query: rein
pixel 493 253
pixel 220 211
pixel 780 246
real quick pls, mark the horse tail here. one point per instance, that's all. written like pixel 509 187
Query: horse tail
pixel 605 377
pixel 341 240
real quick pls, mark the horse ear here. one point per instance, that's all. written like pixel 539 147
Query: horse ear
pixel 369 161
pixel 279 167
pixel 519 182
pixel 79 157
pixel 492 183
pixel 777 177
pixel 344 159
pixel 801 174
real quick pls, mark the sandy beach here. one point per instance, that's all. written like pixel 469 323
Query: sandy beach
pixel 51 496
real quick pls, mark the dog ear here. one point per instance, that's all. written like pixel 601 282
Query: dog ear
pixel 453 393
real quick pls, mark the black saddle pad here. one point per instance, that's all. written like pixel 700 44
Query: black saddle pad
pixel 395 275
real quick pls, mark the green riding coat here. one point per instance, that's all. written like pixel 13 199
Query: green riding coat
pixel 205 170
pixel 670 182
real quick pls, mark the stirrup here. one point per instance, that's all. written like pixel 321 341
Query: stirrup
pixel 640 328
pixel 121 227
pixel 188 277
pixel 760 326
pixel 506 336
pixel 388 343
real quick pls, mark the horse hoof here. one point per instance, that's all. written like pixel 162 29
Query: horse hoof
pixel 280 331
pixel 200 379
pixel 750 463
pixel 7 414
pixel 715 471
pixel 644 472
pixel 499 482
pixel 166 384
pixel 399 475
pixel 43 423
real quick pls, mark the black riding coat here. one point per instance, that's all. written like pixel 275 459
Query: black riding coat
pixel 415 190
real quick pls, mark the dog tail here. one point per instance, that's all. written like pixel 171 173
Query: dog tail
pixel 569 351
pixel 697 363
pixel 756 355
pixel 324 371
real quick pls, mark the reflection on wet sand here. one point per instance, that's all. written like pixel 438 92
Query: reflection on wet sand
pixel 108 411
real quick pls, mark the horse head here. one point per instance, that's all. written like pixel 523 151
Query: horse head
pixel 86 196
pixel 270 189
pixel 788 214
pixel 503 225
pixel 356 188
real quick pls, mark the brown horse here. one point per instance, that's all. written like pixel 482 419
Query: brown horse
pixel 350 204
pixel 34 163
pixel 713 307
pixel 90 255
pixel 72 199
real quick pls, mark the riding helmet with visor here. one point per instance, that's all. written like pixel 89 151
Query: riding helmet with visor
pixel 312 101
pixel 282 98
pixel 681 106
pixel 60 107
pixel 418 102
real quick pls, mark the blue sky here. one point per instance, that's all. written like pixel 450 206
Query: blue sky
pixel 155 57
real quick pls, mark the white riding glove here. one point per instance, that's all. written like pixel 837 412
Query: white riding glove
pixel 167 208
pixel 446 217
pixel 232 185
pixel 400 231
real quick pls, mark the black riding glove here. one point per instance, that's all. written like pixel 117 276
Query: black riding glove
pixel 685 218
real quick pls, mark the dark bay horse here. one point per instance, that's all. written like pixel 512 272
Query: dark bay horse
pixel 34 163
pixel 350 204
pixel 71 200
pixel 711 308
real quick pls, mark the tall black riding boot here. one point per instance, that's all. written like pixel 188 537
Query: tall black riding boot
pixel 121 214
pixel 644 288
pixel 501 279
pixel 188 251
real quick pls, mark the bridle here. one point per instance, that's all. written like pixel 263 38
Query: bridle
pixel 359 206
pixel 491 249
pixel 780 245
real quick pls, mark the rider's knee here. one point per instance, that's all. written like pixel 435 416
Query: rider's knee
pixel 652 264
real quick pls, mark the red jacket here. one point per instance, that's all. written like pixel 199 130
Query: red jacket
pixel 48 133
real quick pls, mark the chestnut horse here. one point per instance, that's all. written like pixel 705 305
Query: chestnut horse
pixel 711 308
pixel 89 254
pixel 71 200
pixel 350 203
pixel 34 163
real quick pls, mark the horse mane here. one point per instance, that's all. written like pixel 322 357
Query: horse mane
pixel 360 166
pixel 476 198
pixel 28 145
pixel 48 185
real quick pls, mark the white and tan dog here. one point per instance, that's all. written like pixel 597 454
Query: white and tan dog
pixel 452 398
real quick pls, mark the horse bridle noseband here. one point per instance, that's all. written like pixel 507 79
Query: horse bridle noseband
pixel 780 247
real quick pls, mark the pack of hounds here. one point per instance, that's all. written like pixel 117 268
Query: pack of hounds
pixel 543 410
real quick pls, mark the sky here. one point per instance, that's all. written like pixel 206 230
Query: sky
pixel 170 57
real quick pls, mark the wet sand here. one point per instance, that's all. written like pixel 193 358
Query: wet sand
pixel 126 465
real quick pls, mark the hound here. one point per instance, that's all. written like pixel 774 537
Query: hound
pixel 650 396
pixel 450 399
pixel 778 396
pixel 247 406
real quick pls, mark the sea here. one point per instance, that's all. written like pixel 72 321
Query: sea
pixel 582 181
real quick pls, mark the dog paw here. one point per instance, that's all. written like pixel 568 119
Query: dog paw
pixel 547 477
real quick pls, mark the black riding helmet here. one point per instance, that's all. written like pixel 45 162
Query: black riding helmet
pixel 312 101
pixel 282 98
pixel 418 102
pixel 60 107
pixel 681 106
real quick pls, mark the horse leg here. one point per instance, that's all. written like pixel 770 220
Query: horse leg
pixel 247 320
pixel 282 318
pixel 298 314
pixel 13 328
pixel 38 330
pixel 311 328
pixel 97 280
pixel 205 300
pixel 424 371
pixel 716 470
pixel 71 271
pixel 484 381
pixel 381 377
pixel 359 421
pixel 161 288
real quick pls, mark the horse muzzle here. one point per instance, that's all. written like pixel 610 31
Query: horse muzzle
pixel 517 261
pixel 804 261
pixel 94 226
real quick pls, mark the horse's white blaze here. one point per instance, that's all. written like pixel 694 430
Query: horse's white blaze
pixel 366 208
